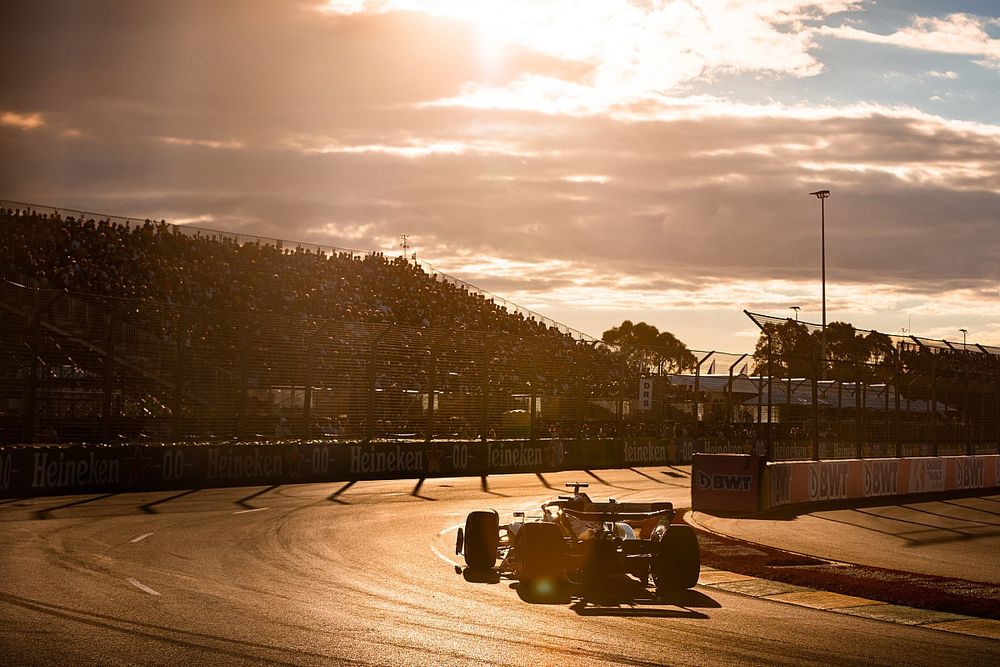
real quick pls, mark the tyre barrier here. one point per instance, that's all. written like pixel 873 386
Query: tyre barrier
pixel 50 470
pixel 740 484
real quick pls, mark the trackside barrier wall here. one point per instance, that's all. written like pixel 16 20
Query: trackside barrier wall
pixel 798 483
pixel 726 483
pixel 35 471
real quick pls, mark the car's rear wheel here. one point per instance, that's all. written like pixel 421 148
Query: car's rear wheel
pixel 676 562
pixel 482 537
pixel 540 551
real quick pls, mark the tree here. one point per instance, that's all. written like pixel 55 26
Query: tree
pixel 795 350
pixel 847 348
pixel 649 348
pixel 848 351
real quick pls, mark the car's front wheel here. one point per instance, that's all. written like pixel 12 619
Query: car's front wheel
pixel 482 537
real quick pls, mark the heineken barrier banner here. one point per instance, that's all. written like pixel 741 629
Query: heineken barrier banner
pixel 27 471
pixel 796 483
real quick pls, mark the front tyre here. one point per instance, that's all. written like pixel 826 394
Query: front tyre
pixel 482 537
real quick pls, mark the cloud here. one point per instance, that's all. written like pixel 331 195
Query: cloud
pixel 227 144
pixel 942 75
pixel 634 51
pixel 961 34
pixel 22 121
pixel 593 174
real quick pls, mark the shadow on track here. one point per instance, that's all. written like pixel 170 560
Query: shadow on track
pixel 335 496
pixel 618 596
pixel 923 533
pixel 205 644
pixel 481 576
pixel 47 512
pixel 244 502
pixel 594 475
pixel 150 508
pixel 623 596
pixel 416 490
pixel 545 482
pixel 484 484
pixel 655 479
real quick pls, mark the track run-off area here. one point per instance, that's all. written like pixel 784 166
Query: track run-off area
pixel 365 574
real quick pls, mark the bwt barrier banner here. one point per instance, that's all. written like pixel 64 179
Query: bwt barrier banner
pixel 725 482
pixel 796 483
pixel 36 471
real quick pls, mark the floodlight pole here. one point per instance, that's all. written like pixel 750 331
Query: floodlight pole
pixel 965 333
pixel 822 195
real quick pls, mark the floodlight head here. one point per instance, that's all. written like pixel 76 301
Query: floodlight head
pixel 822 194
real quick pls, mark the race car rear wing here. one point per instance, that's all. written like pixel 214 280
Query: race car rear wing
pixel 622 512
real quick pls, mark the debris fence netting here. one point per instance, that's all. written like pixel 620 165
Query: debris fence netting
pixel 83 369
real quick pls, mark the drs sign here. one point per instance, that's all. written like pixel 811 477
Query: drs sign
pixel 646 393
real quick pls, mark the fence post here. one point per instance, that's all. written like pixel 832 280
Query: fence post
pixel 484 422
pixel 31 400
pixel 372 381
pixel 109 373
pixel 431 391
pixel 532 403
pixel 241 400
pixel 307 391
pixel 899 412
pixel 696 432
pixel 934 424
pixel 770 403
pixel 857 408
pixel 966 426
pixel 175 425
pixel 815 405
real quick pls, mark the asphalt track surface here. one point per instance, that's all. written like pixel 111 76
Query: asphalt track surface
pixel 334 574
pixel 958 537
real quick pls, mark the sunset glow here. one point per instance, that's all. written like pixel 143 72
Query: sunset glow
pixel 590 160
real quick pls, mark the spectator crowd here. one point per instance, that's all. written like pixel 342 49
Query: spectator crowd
pixel 155 261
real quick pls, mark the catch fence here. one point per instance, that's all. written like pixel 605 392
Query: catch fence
pixel 81 368
pixel 851 393
pixel 77 368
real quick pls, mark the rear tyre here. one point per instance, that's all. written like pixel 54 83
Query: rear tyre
pixel 676 561
pixel 482 537
pixel 540 551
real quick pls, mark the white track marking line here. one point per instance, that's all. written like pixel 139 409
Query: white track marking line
pixel 140 538
pixel 253 509
pixel 450 528
pixel 141 586
pixel 443 557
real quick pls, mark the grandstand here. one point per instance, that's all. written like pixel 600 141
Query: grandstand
pixel 125 329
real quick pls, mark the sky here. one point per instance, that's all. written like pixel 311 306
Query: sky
pixel 594 161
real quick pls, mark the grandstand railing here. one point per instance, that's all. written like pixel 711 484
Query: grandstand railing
pixel 238 238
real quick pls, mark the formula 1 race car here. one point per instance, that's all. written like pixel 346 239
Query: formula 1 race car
pixel 581 541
